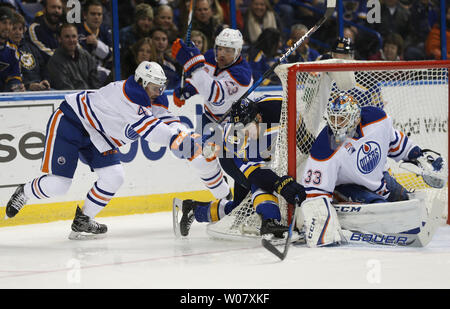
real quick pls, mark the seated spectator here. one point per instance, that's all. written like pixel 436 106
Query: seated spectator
pixel 43 31
pixel 93 36
pixel 392 49
pixel 18 6
pixel 200 41
pixel 163 57
pixel 204 21
pixel 72 67
pixel 433 42
pixel 32 63
pixel 258 17
pixel 143 23
pixel 424 13
pixel 10 74
pixel 164 20
pixel 304 52
pixel 263 54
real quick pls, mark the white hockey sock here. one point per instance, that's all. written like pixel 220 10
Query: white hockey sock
pixel 211 174
pixel 109 181
pixel 47 186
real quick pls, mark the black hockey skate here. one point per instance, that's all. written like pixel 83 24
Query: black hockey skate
pixel 16 202
pixel 271 226
pixel 83 224
pixel 187 218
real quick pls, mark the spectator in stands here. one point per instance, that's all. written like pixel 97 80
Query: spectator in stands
pixel 31 61
pixel 304 52
pixel 200 41
pixel 394 18
pixel 164 20
pixel 163 56
pixel 258 17
pixel 43 31
pixel 10 74
pixel 424 14
pixel 204 21
pixel 392 49
pixel 263 53
pixel 72 67
pixel 19 8
pixel 142 50
pixel 433 42
pixel 93 36
pixel 143 23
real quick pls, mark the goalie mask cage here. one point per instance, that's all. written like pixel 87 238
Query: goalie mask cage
pixel 415 94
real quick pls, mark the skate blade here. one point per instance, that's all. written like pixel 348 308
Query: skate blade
pixel 85 236
pixel 176 209
pixel 296 238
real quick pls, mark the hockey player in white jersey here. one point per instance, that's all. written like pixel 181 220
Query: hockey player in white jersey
pixel 92 125
pixel 221 76
pixel 349 160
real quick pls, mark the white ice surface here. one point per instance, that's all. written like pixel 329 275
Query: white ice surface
pixel 140 251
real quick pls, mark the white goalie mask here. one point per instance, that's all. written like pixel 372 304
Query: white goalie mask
pixel 231 38
pixel 343 115
pixel 151 72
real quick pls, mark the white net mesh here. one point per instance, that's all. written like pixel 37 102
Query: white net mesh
pixel 415 98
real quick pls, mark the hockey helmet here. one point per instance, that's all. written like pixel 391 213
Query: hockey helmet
pixel 231 38
pixel 343 46
pixel 343 115
pixel 151 72
pixel 244 112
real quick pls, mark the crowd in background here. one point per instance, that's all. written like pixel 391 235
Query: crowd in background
pixel 41 49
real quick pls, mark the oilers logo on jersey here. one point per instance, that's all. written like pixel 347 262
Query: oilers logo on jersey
pixel 369 155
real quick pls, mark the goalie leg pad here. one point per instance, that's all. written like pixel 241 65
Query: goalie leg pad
pixel 320 223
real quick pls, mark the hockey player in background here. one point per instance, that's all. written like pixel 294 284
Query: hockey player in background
pixel 248 141
pixel 221 76
pixel 92 125
pixel 348 161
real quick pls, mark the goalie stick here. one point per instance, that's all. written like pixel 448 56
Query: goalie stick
pixel 331 5
pixel 272 248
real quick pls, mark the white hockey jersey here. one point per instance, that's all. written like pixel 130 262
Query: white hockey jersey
pixel 120 112
pixel 359 160
pixel 220 88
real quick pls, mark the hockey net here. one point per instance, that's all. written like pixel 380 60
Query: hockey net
pixel 415 94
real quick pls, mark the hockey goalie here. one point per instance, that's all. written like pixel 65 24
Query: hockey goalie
pixel 348 167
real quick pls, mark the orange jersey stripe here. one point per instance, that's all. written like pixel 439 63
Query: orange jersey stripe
pixel 51 136
pixel 146 125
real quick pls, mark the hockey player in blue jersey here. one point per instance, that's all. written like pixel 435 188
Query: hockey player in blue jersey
pixel 348 160
pixel 249 149
pixel 93 125
pixel 221 76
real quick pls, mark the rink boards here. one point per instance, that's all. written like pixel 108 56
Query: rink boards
pixel 153 175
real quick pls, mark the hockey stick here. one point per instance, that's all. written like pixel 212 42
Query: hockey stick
pixel 331 4
pixel 271 247
pixel 188 35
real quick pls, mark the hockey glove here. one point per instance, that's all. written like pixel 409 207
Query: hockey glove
pixel 186 145
pixel 182 94
pixel 288 188
pixel 428 164
pixel 188 56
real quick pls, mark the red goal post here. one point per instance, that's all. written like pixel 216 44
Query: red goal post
pixel 413 76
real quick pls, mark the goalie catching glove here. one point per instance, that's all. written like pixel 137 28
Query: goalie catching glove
pixel 428 164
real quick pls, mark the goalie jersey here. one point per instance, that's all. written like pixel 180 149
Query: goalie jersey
pixel 359 160
pixel 120 113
